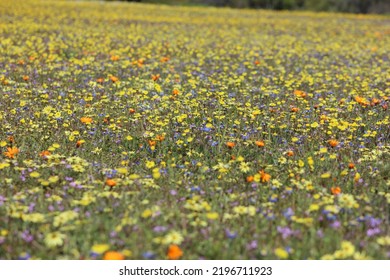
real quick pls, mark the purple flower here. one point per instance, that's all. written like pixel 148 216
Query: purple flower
pixel 24 256
pixel 286 232
pixel 2 200
pixel 31 207
pixel 288 213
pixel 252 245
pixel 373 231
pixel 26 236
pixel 148 255
pixel 159 229
pixel 372 222
pixel 335 224
pixel 230 235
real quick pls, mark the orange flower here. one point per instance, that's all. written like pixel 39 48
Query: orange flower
pixel 114 79
pixel 265 177
pixel 260 143
pixel 86 120
pixel 44 154
pixel 333 143
pixel 100 80
pixel 131 111
pixel 115 57
pixel 375 101
pixel 230 144
pixel 164 59
pixel 351 165
pixel 113 255
pixel 233 157
pixel 290 153
pixel 79 143
pixel 174 252
pixel 110 182
pixel 257 62
pixel 175 92
pixel 335 190
pixel 249 179
pixel 11 139
pixel 155 77
pixel 160 137
pixel 294 109
pixel 26 78
pixel 152 143
pixel 361 100
pixel 299 93
pixel 11 152
pixel 140 62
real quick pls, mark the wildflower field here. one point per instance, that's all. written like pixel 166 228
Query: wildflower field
pixel 132 131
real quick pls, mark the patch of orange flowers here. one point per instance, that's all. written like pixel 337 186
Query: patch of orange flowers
pixel 114 79
pixel 44 154
pixel 335 190
pixel 160 137
pixel 113 255
pixel 333 143
pixel 110 182
pixel 260 143
pixel 250 179
pixel 290 153
pixel 174 252
pixel 86 120
pixel 230 144
pixel 299 93
pixel 265 177
pixel 361 101
pixel 11 152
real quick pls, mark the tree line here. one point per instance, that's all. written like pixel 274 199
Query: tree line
pixel 347 6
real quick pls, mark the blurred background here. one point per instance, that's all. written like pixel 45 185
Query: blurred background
pixel 346 6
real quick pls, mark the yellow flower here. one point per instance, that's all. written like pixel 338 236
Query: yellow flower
pixel 147 213
pixel 384 241
pixel 212 215
pixel 150 164
pixel 100 248
pixel 173 237
pixel 314 125
pixel 281 253
pixel 54 239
